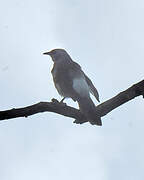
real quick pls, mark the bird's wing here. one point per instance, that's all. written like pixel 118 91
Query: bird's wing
pixel 93 90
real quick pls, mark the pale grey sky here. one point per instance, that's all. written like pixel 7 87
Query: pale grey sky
pixel 107 39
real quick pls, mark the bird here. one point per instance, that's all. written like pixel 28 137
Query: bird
pixel 71 82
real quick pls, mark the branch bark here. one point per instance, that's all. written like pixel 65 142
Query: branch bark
pixel 61 108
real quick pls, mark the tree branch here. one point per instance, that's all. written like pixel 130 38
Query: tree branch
pixel 61 108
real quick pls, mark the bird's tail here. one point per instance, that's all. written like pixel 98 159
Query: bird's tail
pixel 88 108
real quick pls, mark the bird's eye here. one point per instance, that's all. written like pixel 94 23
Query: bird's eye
pixel 53 52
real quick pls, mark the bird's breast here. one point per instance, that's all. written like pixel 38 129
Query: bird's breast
pixel 59 79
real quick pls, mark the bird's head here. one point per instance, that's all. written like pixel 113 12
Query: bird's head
pixel 57 55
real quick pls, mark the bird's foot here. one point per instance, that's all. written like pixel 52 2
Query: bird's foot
pixel 61 103
pixel 55 101
pixel 62 100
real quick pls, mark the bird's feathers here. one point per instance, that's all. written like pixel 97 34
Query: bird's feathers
pixel 88 108
pixel 73 72
pixel 71 81
pixel 92 88
pixel 81 87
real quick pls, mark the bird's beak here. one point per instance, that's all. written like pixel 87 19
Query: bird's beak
pixel 46 53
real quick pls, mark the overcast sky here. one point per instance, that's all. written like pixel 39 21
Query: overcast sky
pixel 106 38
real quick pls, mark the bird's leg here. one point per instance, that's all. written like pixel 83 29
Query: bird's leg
pixel 56 101
pixel 62 103
pixel 62 100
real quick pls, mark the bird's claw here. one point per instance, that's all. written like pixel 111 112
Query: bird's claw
pixel 55 100
pixel 61 103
